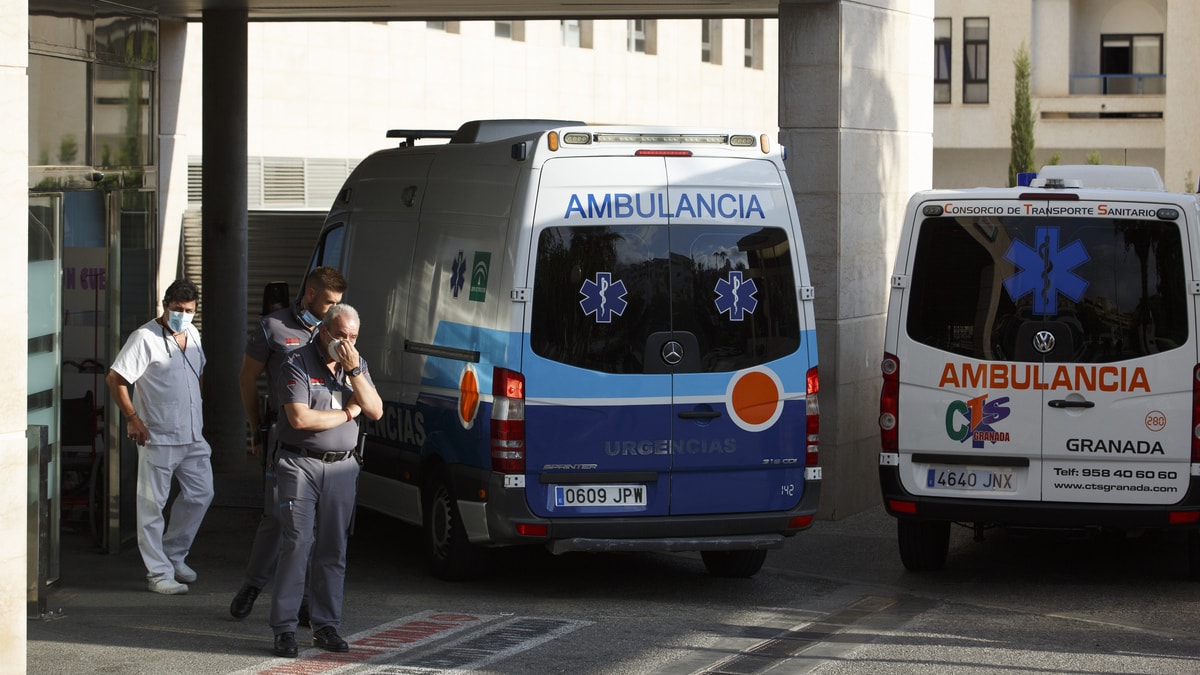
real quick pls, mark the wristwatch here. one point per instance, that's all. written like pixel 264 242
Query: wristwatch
pixel 354 372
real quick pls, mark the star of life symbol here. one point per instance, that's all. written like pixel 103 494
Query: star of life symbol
pixel 603 297
pixel 458 273
pixel 1046 271
pixel 736 296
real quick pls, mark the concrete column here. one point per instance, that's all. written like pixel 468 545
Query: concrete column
pixel 223 228
pixel 856 113
pixel 172 150
pixel 1050 48
pixel 14 294
pixel 1181 161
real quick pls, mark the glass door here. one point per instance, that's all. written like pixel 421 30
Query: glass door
pixel 43 384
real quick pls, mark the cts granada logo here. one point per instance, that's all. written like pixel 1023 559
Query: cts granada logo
pixel 972 420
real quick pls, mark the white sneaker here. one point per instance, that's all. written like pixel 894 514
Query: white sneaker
pixel 167 587
pixel 184 573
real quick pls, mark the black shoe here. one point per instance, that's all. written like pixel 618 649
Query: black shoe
pixel 328 639
pixel 285 645
pixel 302 617
pixel 243 602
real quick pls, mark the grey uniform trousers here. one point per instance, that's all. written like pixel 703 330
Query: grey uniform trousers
pixel 316 505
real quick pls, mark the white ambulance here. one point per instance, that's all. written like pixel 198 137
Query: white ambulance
pixel 587 338
pixel 1041 360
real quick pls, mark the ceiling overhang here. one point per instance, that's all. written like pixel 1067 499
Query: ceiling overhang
pixel 421 10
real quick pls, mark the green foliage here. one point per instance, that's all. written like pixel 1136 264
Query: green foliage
pixel 1094 157
pixel 1021 157
pixel 1055 159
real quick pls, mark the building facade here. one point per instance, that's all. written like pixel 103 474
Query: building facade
pixel 1112 83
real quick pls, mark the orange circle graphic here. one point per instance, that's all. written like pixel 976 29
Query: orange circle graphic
pixel 468 397
pixel 755 398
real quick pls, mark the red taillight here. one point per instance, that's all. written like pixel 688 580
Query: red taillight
pixel 508 421
pixel 528 530
pixel 889 404
pixel 800 522
pixel 902 507
pixel 1196 413
pixel 812 430
pixel 663 153
pixel 1183 517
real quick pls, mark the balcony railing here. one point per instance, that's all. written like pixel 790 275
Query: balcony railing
pixel 1128 84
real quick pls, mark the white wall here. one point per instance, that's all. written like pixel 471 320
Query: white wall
pixel 334 89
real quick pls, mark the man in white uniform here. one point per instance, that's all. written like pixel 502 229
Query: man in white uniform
pixel 165 419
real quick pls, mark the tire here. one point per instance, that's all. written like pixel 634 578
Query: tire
pixel 448 552
pixel 734 564
pixel 923 543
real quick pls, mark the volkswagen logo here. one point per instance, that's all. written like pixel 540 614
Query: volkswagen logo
pixel 1043 341
pixel 672 353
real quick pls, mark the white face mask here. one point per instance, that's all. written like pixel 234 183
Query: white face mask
pixel 333 352
pixel 177 321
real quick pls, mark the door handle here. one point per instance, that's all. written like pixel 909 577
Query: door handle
pixel 1063 403
pixel 699 415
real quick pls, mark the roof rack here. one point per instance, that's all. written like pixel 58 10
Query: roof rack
pixel 411 136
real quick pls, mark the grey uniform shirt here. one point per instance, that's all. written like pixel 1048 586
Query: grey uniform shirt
pixel 167 382
pixel 279 333
pixel 306 379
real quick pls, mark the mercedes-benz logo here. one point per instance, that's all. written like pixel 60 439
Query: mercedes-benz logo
pixel 672 352
pixel 1043 341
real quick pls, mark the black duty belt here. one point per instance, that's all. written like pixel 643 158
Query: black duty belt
pixel 327 457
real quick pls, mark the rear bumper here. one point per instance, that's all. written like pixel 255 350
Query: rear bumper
pixel 1037 514
pixel 496 523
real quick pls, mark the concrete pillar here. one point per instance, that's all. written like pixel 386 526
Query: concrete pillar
pixel 223 228
pixel 1181 161
pixel 14 256
pixel 856 113
pixel 172 150
pixel 1050 47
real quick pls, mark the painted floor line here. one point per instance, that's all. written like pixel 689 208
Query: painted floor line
pixel 374 645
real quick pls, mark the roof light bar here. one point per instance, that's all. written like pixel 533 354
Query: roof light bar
pixel 714 139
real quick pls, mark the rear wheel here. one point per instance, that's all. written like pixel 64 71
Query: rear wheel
pixel 734 564
pixel 923 543
pixel 449 553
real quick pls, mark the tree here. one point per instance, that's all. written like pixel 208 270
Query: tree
pixel 1021 156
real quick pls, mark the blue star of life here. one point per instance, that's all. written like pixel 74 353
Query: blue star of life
pixel 1046 270
pixel 458 273
pixel 603 297
pixel 736 296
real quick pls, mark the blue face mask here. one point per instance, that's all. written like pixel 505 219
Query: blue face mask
pixel 309 319
pixel 177 321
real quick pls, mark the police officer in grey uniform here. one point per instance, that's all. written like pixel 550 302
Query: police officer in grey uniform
pixel 323 388
pixel 278 334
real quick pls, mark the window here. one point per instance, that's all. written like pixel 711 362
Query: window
pixel 1119 290
pixel 570 32
pixel 1126 60
pixel 636 35
pixel 511 30
pixel 710 41
pixel 941 60
pixel 672 279
pixel 753 44
pixel 975 60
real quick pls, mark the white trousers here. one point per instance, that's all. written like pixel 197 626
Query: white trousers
pixel 157 465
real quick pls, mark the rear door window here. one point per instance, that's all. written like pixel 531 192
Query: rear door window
pixel 1116 286
pixel 605 297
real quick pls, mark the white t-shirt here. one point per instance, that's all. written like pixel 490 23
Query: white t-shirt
pixel 167 382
